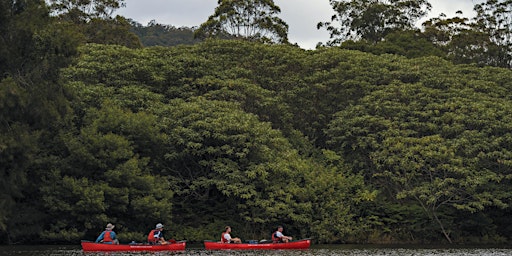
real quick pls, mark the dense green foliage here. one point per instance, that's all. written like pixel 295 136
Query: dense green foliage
pixel 33 107
pixel 155 34
pixel 345 147
pixel 339 145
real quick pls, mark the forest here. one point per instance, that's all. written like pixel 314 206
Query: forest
pixel 386 134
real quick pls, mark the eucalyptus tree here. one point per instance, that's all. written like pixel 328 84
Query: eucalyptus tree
pixel 484 40
pixel 458 38
pixel 79 11
pixel 440 30
pixel 372 20
pixel 494 18
pixel 254 20
pixel 93 20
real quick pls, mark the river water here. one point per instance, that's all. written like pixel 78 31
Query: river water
pixel 315 250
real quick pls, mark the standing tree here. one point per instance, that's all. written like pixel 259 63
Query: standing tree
pixel 84 10
pixel 33 107
pixel 93 18
pixel 372 20
pixel 494 19
pixel 254 20
pixel 486 40
pixel 441 30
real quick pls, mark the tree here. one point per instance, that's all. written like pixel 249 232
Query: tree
pixel 33 107
pixel 485 40
pixel 28 31
pixel 432 142
pixel 105 176
pixel 80 11
pixel 494 19
pixel 372 20
pixel 155 34
pixel 223 156
pixel 473 46
pixel 111 31
pixel 336 197
pixel 411 44
pixel 440 30
pixel 253 20
pixel 93 19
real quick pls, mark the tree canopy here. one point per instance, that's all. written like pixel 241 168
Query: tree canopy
pixel 84 11
pixel 372 20
pixel 254 20
pixel 395 141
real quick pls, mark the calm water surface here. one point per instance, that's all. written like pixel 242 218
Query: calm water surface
pixel 315 250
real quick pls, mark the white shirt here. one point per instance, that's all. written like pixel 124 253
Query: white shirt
pixel 227 236
pixel 279 234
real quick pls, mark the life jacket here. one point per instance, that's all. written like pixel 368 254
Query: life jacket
pixel 276 239
pixel 151 236
pixel 222 239
pixel 107 237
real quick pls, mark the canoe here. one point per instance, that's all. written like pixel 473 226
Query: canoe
pixel 297 245
pixel 88 246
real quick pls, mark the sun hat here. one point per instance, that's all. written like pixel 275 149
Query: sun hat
pixel 159 225
pixel 110 226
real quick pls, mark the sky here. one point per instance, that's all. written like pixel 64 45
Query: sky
pixel 302 16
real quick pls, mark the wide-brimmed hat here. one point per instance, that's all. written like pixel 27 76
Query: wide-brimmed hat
pixel 159 225
pixel 110 226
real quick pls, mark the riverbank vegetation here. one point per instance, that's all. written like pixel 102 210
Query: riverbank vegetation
pixel 356 142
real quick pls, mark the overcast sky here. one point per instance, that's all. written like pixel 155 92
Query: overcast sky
pixel 301 16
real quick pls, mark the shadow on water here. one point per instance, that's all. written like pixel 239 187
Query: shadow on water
pixel 315 250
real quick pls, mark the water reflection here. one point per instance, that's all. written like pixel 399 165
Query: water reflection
pixel 314 251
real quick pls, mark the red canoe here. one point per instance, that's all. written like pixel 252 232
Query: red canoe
pixel 299 244
pixel 88 246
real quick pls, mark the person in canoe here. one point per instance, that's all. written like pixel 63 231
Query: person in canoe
pixel 279 237
pixel 156 236
pixel 226 237
pixel 108 236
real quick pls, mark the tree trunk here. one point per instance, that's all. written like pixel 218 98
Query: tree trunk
pixel 442 227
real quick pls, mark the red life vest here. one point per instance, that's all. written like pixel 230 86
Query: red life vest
pixel 222 239
pixel 276 239
pixel 151 236
pixel 107 238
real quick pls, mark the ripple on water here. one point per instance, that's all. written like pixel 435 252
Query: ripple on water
pixel 331 251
